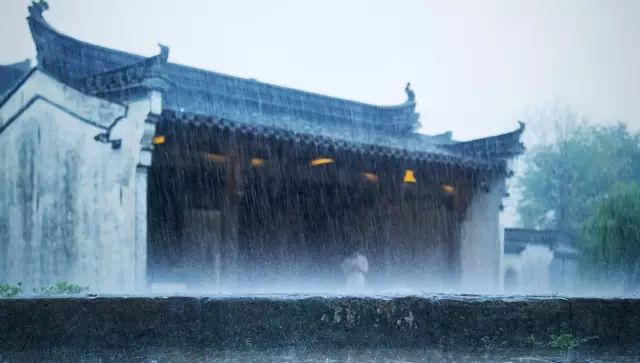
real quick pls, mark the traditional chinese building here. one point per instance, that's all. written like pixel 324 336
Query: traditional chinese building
pixel 120 170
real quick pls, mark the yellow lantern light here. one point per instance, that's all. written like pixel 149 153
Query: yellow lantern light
pixel 256 162
pixel 449 189
pixel 158 140
pixel 409 177
pixel 372 177
pixel 321 161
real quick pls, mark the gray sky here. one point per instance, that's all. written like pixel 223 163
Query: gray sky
pixel 476 66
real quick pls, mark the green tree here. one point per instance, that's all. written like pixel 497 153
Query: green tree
pixel 611 237
pixel 565 179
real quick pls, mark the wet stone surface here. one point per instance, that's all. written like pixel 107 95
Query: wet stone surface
pixel 249 323
pixel 290 354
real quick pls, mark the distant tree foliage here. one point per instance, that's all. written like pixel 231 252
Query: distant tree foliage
pixel 565 179
pixel 611 237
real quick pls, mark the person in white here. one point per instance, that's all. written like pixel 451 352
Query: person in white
pixel 355 267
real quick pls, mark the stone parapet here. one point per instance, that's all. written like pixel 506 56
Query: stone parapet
pixel 336 322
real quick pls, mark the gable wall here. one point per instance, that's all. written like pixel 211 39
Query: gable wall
pixel 68 202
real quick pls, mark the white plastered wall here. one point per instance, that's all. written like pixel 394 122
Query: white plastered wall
pixel 70 206
pixel 531 268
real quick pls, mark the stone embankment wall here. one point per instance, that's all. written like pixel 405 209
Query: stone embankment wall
pixel 250 322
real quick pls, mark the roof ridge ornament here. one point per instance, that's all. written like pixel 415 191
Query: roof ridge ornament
pixel 163 57
pixel 37 8
pixel 411 96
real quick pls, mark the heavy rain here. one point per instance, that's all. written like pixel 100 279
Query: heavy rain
pixel 158 203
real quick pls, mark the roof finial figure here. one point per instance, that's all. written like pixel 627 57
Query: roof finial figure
pixel 411 96
pixel 164 53
pixel 37 8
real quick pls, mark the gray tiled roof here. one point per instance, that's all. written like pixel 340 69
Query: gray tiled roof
pixel 11 74
pixel 195 95
pixel 414 147
pixel 212 93
pixel 562 243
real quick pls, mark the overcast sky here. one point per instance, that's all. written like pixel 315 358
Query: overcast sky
pixel 476 66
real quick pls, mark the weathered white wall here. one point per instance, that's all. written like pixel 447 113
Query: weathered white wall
pixel 480 245
pixel 539 271
pixel 563 273
pixel 532 268
pixel 68 203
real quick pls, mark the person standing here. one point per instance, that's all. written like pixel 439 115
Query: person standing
pixel 355 267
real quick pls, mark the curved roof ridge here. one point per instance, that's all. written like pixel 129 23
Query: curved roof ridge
pixel 289 88
pixel 33 20
pixel 502 146
pixel 138 57
pixel 400 117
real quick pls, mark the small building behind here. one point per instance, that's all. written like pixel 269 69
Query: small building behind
pixel 539 261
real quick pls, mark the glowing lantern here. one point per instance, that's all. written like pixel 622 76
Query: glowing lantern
pixel 321 161
pixel 158 140
pixel 449 189
pixel 409 177
pixel 372 177
pixel 256 162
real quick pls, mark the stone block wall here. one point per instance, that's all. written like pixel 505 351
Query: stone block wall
pixel 318 322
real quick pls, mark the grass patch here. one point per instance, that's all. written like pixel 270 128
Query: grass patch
pixel 10 290
pixel 63 288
